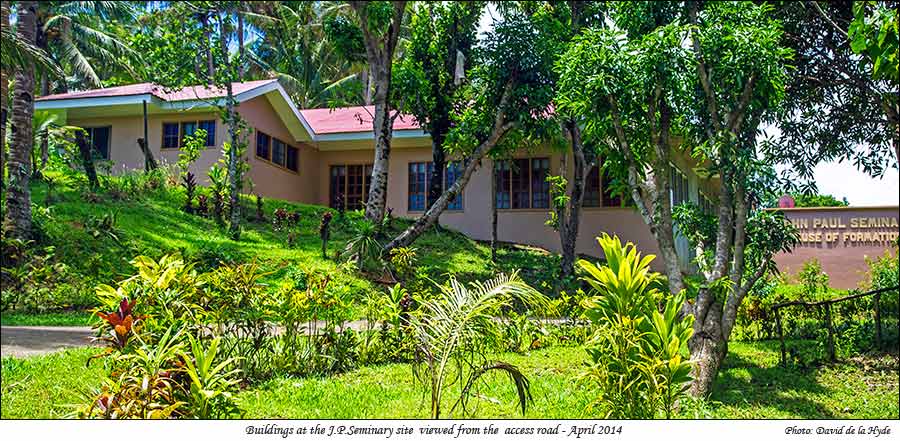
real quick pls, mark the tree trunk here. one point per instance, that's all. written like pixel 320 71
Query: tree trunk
pixel 439 164
pixel 4 87
pixel 380 48
pixel 87 160
pixel 383 129
pixel 366 78
pixel 149 160
pixel 430 217
pixel 494 175
pixel 18 196
pixel 210 64
pixel 708 349
pixel 570 223
pixel 240 36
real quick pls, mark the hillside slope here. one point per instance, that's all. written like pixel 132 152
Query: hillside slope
pixel 95 236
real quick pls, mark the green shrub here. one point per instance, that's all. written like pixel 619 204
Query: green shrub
pixel 637 350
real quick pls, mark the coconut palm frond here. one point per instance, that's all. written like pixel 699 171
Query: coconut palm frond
pixel 16 52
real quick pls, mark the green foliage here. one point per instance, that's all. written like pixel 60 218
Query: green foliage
pixel 818 200
pixel 455 331
pixel 873 32
pixel 425 77
pixel 363 249
pixel 637 350
pixel 559 197
pixel 813 280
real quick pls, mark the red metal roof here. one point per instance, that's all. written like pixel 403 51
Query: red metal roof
pixel 350 120
pixel 187 93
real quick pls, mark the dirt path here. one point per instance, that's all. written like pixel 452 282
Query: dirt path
pixel 25 341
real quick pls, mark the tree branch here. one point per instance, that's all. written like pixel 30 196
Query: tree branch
pixel 703 70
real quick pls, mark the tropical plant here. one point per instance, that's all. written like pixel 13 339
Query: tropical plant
pixel 306 63
pixel 211 380
pixel 192 146
pixel 636 352
pixel 363 248
pixel 455 331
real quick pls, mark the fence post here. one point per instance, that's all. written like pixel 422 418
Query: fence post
pixel 830 331
pixel 780 335
pixel 878 320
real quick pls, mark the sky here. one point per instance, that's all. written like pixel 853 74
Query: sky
pixel 842 180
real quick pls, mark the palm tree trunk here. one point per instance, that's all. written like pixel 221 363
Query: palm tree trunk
pixel 4 87
pixel 18 196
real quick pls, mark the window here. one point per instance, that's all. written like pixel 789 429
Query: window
pixel 98 137
pixel 210 127
pixel 174 132
pixel 263 142
pixel 540 188
pixel 454 171
pixel 706 204
pixel 592 197
pixel 187 129
pixel 522 183
pixel 679 186
pixel 338 187
pixel 170 136
pixel 277 152
pixel 501 184
pixel 420 182
pixel 292 161
pixel 418 185
pixel 349 185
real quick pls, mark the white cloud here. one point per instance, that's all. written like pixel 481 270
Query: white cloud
pixel 844 180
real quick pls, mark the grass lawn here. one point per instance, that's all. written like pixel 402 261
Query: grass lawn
pixel 751 385
pixel 48 386
pixel 56 318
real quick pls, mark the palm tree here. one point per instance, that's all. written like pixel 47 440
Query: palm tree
pixel 454 331
pixel 15 52
pixel 292 48
pixel 86 39
pixel 18 196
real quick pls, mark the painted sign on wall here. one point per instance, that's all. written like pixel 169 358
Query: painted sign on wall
pixel 841 238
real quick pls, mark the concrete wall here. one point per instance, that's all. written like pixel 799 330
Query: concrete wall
pixel 519 226
pixel 839 239
pixel 268 179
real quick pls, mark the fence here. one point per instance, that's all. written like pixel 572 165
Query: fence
pixel 826 304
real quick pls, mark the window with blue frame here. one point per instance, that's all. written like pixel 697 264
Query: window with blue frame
pixel 210 127
pixel 454 171
pixel 420 181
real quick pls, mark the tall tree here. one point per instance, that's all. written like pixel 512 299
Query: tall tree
pixel 433 68
pixel 836 107
pixel 85 38
pixel 567 205
pixel 18 195
pixel 181 32
pixel 640 85
pixel 505 106
pixel 380 24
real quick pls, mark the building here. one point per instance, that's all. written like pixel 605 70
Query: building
pixel 324 156
pixel 841 239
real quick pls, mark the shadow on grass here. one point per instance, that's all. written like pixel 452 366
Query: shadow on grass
pixel 747 381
